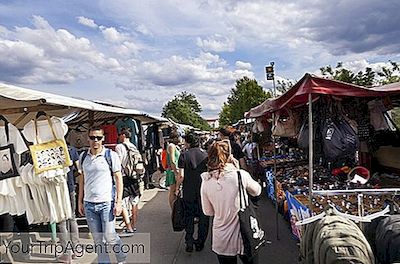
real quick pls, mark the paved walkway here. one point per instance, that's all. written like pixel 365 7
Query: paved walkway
pixel 169 247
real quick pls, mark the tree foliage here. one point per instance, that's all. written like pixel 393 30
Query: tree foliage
pixel 284 86
pixel 185 109
pixel 367 78
pixel 363 78
pixel 389 74
pixel 246 94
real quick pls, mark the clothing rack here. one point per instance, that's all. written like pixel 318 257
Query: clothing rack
pixel 395 191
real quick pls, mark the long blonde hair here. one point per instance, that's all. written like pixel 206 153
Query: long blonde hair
pixel 218 155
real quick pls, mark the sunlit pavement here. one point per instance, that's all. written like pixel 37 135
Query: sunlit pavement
pixel 167 246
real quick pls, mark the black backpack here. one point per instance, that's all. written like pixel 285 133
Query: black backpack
pixel 387 239
pixel 340 141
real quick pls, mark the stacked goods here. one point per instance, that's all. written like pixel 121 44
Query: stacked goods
pixel 295 179
pixel 292 157
pixel 346 203
pixel 335 239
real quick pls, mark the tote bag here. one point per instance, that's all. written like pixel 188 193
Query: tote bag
pixel 8 168
pixel 49 155
pixel 252 234
pixel 288 127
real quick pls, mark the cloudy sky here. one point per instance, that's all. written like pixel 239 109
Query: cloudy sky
pixel 140 53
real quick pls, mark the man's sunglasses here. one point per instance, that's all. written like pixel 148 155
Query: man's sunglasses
pixel 96 137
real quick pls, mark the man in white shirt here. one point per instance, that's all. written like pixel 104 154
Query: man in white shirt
pixel 249 148
pixel 135 185
pixel 99 198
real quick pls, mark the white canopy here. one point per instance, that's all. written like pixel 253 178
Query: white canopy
pixel 19 105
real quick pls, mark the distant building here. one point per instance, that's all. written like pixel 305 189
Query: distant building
pixel 213 122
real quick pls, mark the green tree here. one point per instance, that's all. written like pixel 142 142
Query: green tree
pixel 363 78
pixel 185 109
pixel 390 75
pixel 246 94
pixel 367 78
pixel 284 86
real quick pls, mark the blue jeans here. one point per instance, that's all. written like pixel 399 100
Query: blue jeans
pixel 100 218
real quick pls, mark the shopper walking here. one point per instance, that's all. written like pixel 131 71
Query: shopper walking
pixel 132 177
pixel 227 132
pixel 220 198
pixel 171 171
pixel 191 164
pixel 100 195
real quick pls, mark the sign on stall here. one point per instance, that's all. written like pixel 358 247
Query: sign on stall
pixel 297 212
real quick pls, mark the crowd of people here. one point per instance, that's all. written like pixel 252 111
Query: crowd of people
pixel 203 173
pixel 206 176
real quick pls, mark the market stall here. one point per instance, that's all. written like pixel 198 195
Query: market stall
pixel 35 156
pixel 306 117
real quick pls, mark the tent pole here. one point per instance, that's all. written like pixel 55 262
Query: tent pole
pixel 310 149
pixel 275 187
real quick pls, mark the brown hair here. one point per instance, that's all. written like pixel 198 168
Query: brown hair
pixel 227 131
pixel 126 132
pixel 174 137
pixel 218 155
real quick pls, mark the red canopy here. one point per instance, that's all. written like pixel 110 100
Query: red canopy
pixel 389 89
pixel 310 84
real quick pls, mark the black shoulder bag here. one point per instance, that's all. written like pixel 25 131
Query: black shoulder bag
pixel 178 214
pixel 252 234
pixel 8 167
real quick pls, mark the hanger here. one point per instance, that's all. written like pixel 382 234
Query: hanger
pixel 384 212
pixel 364 219
pixel 3 118
pixel 311 219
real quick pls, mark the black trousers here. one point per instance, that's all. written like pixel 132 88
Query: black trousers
pixel 233 259
pixel 192 210
pixel 20 224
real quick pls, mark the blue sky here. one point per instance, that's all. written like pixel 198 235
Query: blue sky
pixel 139 54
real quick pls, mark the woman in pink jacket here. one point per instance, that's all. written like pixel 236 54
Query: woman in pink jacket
pixel 220 198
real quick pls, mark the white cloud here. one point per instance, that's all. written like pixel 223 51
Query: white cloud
pixel 111 34
pixel 243 65
pixel 87 22
pixel 45 54
pixel 144 30
pixel 159 48
pixel 127 49
pixel 216 43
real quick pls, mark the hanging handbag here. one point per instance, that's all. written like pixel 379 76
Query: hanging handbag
pixel 340 141
pixel 8 168
pixel 131 187
pixel 49 155
pixel 252 235
pixel 288 127
pixel 178 214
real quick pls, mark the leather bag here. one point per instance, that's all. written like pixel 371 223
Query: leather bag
pixel 288 127
pixel 178 215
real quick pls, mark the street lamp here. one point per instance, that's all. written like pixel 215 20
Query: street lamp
pixel 270 75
